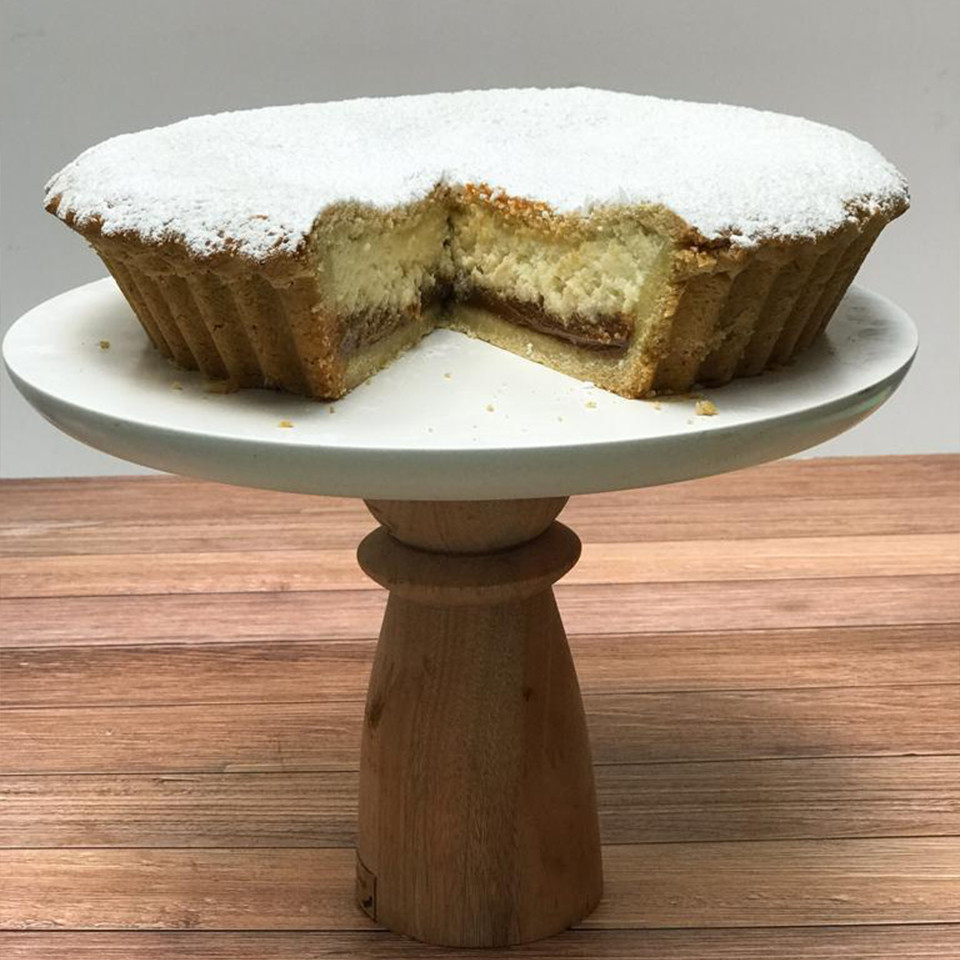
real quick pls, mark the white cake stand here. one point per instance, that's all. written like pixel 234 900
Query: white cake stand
pixel 478 822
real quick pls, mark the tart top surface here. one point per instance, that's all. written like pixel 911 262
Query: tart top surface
pixel 255 181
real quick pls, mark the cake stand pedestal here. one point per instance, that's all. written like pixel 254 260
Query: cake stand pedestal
pixel 478 822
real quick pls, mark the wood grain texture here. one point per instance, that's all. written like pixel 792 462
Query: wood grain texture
pixel 823 722
pixel 600 609
pixel 775 883
pixel 624 728
pixel 465 526
pixel 597 521
pixel 771 664
pixel 270 571
pixel 914 942
pixel 173 515
pixel 339 669
pixel 638 803
pixel 780 883
pixel 477 817
pixel 165 498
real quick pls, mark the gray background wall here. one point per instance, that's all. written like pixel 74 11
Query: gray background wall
pixel 77 71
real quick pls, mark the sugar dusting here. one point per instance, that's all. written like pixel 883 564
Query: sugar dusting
pixel 256 180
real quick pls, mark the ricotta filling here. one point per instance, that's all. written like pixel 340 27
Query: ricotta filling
pixel 585 285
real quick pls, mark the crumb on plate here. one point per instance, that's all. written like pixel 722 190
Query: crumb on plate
pixel 285 423
pixel 705 408
pixel 219 386
pixel 104 344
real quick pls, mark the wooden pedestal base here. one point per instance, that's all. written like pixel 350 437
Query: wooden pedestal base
pixel 478 821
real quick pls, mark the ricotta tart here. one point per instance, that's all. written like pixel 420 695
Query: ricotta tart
pixel 646 245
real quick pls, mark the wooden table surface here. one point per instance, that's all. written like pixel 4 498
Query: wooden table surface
pixel 770 663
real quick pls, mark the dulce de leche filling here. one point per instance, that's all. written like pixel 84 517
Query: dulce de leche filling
pixel 609 332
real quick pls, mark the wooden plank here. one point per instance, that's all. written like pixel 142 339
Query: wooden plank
pixel 207 673
pixel 334 614
pixel 755 659
pixel 597 519
pixel 851 721
pixel 780 883
pixel 748 517
pixel 632 728
pixel 914 942
pixel 153 499
pixel 151 573
pixel 776 883
pixel 600 563
pixel 638 803
pixel 339 669
pixel 164 498
pixel 599 609
pixel 779 799
pixel 180 810
pixel 297 736
pixel 180 889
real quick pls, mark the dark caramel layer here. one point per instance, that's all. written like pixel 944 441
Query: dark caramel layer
pixel 368 327
pixel 611 332
pixel 607 333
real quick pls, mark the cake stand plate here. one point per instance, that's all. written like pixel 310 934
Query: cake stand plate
pixel 453 419
pixel 477 814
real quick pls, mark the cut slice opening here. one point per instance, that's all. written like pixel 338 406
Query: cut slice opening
pixel 580 294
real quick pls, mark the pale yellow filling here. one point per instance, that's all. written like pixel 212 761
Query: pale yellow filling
pixel 598 270
pixel 369 266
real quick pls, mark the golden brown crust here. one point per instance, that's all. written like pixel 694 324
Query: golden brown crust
pixel 725 311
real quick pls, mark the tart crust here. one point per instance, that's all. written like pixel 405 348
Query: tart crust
pixel 718 311
pixel 646 245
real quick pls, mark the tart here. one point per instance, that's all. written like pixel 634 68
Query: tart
pixel 645 245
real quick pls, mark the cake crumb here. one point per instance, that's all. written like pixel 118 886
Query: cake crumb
pixel 448 376
pixel 489 408
pixel 331 409
pixel 285 423
pixel 705 408
pixel 176 385
pixel 657 404
pixel 104 344
pixel 591 405
pixel 219 386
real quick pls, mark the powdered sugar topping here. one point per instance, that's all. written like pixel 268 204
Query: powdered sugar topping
pixel 257 180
